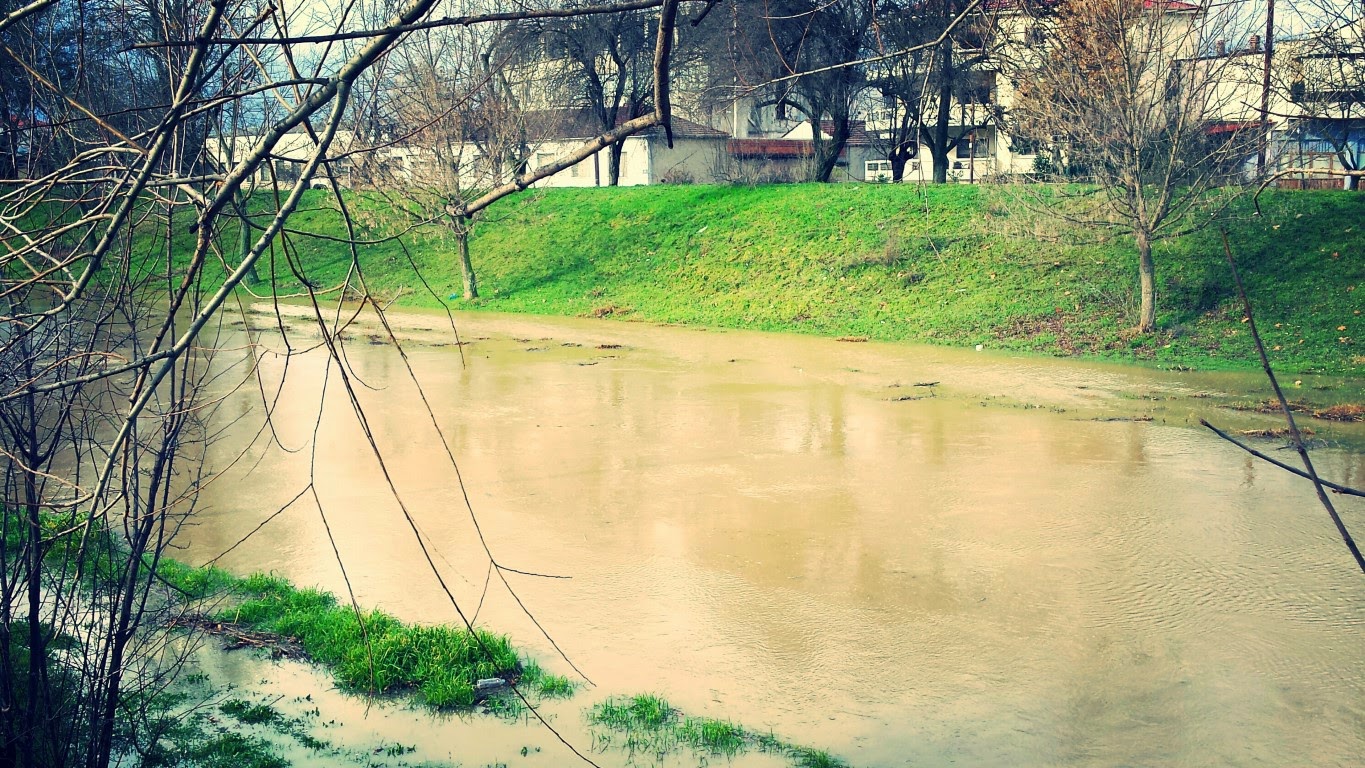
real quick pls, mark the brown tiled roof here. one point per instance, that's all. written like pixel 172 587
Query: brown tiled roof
pixel 686 129
pixel 857 132
pixel 770 148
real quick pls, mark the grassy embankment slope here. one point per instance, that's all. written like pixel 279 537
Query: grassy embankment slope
pixel 951 265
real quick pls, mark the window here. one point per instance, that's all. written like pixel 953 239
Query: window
pixel 1021 145
pixel 977 94
pixel 877 170
pixel 967 147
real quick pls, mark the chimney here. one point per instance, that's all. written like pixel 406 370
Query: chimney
pixel 1254 44
pixel 1222 47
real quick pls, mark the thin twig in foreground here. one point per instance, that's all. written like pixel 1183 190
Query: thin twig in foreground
pixel 1289 414
pixel 1342 489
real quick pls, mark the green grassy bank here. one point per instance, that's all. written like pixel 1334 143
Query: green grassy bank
pixel 954 265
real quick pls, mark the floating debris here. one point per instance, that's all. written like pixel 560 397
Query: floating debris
pixel 1347 412
pixel 1276 433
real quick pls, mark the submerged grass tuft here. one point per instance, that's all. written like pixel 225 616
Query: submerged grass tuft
pixel 649 723
pixel 233 750
pixel 535 680
pixel 370 651
pixel 805 757
pixel 718 736
pixel 374 651
pixel 251 714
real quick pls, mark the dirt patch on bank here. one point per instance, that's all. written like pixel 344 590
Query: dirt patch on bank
pixel 1064 335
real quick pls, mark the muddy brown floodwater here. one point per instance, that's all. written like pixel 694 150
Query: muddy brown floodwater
pixel 1012 567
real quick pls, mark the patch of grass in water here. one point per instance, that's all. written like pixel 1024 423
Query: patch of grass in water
pixel 717 736
pixel 251 714
pixel 642 711
pixel 375 651
pixel 233 750
pixel 805 757
pixel 650 724
pixel 196 583
pixel 372 651
pixel 535 680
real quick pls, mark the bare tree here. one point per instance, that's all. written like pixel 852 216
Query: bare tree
pixel 603 64
pixel 806 58
pixel 1126 102
pixel 455 134
pixel 943 93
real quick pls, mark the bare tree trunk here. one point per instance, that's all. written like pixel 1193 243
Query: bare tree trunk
pixel 938 146
pixel 940 158
pixel 471 282
pixel 36 721
pixel 244 239
pixel 614 164
pixel 827 151
pixel 1147 279
pixel 900 155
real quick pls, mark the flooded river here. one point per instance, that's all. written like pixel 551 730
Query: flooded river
pixel 1030 563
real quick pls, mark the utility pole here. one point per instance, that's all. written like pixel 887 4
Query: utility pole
pixel 1265 86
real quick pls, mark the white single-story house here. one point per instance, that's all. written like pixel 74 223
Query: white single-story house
pixel 697 154
pixel 288 158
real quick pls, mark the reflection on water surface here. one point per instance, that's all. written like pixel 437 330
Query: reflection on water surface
pixel 1003 569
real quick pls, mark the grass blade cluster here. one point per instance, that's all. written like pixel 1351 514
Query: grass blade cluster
pixel 370 651
pixel 648 723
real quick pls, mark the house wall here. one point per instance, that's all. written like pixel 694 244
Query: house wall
pixel 644 160
pixel 853 165
pixel 699 161
pixel 292 151
pixel 593 172
pixel 993 157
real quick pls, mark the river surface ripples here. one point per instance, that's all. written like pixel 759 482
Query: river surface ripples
pixel 1030 563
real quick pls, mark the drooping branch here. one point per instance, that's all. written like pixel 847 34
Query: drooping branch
pixel 1295 435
